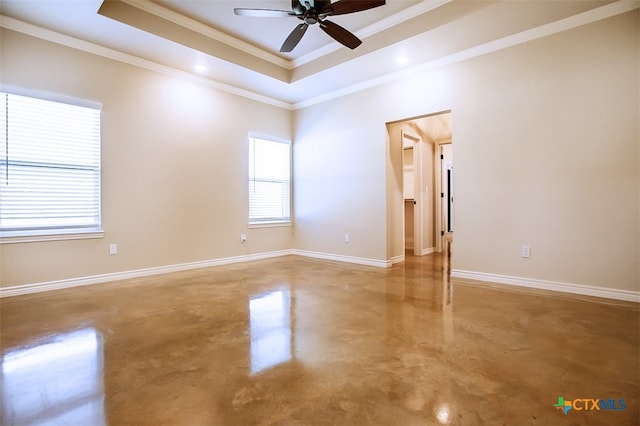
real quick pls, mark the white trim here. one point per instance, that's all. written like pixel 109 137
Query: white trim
pixel 138 273
pixel 117 276
pixel 593 15
pixel 271 138
pixel 385 23
pixel 626 295
pixel 401 17
pixel 85 46
pixel 209 32
pixel 424 252
pixel 587 290
pixel 343 258
pixel 7 238
pixel 274 224
pixel 50 96
pixel 588 17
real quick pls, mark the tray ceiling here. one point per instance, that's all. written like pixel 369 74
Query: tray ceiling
pixel 239 53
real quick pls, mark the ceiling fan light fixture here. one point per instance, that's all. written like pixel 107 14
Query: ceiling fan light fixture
pixel 315 12
pixel 311 17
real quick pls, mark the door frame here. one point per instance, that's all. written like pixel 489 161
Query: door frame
pixel 437 194
pixel 415 141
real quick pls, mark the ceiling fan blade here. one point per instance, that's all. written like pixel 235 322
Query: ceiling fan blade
pixel 294 38
pixel 342 7
pixel 340 34
pixel 263 13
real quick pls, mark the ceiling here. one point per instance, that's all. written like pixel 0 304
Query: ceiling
pixel 240 54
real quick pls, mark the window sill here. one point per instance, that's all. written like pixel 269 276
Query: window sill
pixel 31 237
pixel 269 224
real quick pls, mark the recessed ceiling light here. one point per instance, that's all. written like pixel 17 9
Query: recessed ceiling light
pixel 200 68
pixel 402 60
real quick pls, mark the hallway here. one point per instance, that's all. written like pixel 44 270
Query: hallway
pixel 292 340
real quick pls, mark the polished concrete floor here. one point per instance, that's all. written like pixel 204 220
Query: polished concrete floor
pixel 297 341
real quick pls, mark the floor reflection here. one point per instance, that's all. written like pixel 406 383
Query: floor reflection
pixel 443 414
pixel 270 319
pixel 57 382
pixel 327 342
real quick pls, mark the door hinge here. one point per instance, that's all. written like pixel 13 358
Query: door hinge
pixel 414 202
pixel 442 233
pixel 441 157
pixel 442 195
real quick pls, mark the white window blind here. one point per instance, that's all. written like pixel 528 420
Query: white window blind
pixel 269 181
pixel 49 167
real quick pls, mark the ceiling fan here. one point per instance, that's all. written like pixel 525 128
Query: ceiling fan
pixel 315 12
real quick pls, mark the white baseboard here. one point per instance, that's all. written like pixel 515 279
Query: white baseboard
pixel 138 273
pixel 631 296
pixel 342 258
pixel 586 290
pixel 424 252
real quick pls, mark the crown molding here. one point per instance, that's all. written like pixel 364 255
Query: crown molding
pixel 89 47
pixel 584 18
pixel 402 16
pixel 207 31
pixel 382 25
pixel 590 16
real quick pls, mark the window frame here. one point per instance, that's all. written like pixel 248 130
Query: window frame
pixel 58 232
pixel 252 223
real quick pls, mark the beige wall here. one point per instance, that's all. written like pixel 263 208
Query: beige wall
pixel 174 169
pixel 339 174
pixel 558 168
pixel 545 141
pixel 546 146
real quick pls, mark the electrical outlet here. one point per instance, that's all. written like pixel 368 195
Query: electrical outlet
pixel 113 249
pixel 243 238
pixel 346 238
pixel 525 251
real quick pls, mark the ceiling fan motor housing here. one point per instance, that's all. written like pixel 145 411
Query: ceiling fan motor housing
pixel 302 7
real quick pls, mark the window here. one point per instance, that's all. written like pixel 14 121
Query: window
pixel 49 167
pixel 269 181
